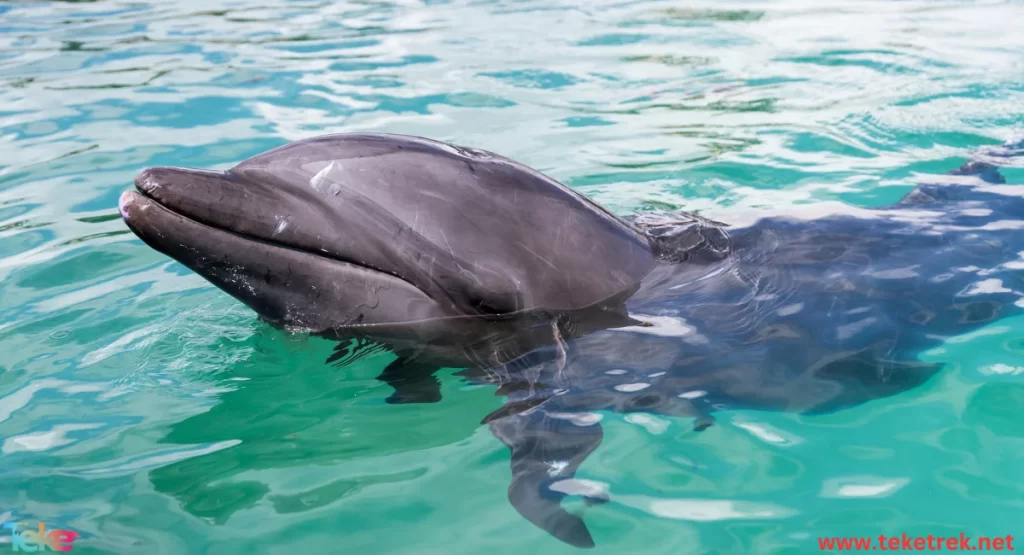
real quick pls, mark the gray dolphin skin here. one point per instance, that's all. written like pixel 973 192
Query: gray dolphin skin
pixel 377 229
pixel 455 257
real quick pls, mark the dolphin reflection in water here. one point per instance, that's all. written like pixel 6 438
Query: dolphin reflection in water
pixel 456 257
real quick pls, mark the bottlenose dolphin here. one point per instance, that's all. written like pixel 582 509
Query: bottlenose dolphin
pixel 456 257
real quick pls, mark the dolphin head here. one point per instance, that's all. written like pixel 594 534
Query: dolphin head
pixel 360 229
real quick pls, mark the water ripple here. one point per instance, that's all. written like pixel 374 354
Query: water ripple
pixel 148 411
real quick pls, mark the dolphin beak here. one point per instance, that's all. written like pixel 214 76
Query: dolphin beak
pixel 203 226
pixel 134 207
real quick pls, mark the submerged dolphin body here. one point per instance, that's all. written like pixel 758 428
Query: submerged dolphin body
pixel 461 258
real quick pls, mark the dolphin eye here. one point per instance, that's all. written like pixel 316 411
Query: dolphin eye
pixel 487 308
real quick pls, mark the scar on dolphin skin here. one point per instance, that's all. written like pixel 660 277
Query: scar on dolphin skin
pixel 449 257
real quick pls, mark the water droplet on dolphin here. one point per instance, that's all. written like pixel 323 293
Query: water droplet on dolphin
pixel 282 224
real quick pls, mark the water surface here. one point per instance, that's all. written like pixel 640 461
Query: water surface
pixel 150 412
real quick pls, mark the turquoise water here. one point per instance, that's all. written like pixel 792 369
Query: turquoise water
pixel 151 413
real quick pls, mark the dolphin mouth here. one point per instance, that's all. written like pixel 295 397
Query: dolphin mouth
pixel 147 218
pixel 289 286
pixel 166 223
pixel 143 214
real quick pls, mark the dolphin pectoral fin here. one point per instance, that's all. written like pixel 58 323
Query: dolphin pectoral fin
pixel 546 450
pixel 548 515
pixel 348 352
pixel 413 381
